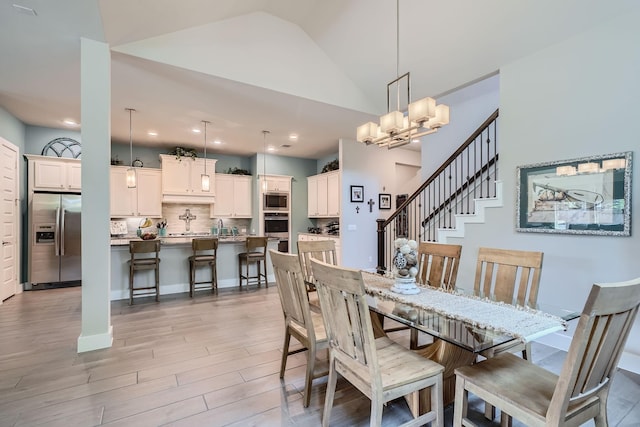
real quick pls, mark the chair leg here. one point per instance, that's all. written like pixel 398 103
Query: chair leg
pixel 311 364
pixel 240 273
pixel 214 278
pixel 377 405
pixel 131 285
pixel 157 283
pixel 461 402
pixel 330 393
pixel 264 268
pixel 437 402
pixel 285 351
pixel 192 278
pixel 413 340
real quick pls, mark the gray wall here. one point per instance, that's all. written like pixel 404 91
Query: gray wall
pixel 573 99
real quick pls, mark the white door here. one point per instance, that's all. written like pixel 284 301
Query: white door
pixel 10 219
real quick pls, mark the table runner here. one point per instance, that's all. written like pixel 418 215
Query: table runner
pixel 522 323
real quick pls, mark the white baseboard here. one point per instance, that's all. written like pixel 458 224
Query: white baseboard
pixel 95 342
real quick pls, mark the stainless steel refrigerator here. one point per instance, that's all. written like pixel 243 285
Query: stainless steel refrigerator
pixel 55 255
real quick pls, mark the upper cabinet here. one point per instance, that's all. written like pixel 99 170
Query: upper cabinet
pixel 233 196
pixel 181 180
pixel 143 200
pixel 54 174
pixel 276 183
pixel 323 192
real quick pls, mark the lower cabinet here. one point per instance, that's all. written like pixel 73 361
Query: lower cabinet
pixel 312 237
pixel 143 200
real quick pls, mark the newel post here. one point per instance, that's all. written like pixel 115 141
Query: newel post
pixel 381 268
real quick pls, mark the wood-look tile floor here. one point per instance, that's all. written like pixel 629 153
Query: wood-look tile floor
pixel 206 361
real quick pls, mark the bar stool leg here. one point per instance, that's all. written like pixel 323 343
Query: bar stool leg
pixel 240 272
pixel 264 267
pixel 214 278
pixel 131 284
pixel 157 283
pixel 192 278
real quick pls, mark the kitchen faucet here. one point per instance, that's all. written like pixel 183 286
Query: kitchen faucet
pixel 220 225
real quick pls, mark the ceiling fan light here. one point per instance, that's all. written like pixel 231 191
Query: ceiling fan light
pixel 367 132
pixel 422 110
pixel 392 122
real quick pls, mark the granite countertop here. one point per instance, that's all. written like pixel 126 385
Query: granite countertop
pixel 180 239
pixel 321 234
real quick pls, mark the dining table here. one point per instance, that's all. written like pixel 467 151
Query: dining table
pixel 461 325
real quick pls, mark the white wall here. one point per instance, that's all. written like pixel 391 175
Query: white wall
pixel 375 169
pixel 574 99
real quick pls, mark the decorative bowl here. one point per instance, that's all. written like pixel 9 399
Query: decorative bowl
pixel 148 236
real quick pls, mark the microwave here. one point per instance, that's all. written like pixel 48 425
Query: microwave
pixel 276 202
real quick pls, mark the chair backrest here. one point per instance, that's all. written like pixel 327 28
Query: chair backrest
pixel 348 325
pixel 438 264
pixel 254 242
pixel 206 244
pixel 597 344
pixel 509 276
pixel 323 250
pixel 292 290
pixel 144 247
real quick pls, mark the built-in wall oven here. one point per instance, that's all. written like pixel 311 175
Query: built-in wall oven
pixel 276 224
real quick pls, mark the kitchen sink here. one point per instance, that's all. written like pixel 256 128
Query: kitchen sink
pixel 189 233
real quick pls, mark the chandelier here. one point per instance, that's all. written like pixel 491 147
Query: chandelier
pixel 400 127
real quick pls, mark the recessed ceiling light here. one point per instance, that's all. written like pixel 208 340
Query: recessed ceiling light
pixel 195 130
pixel 152 133
pixel 70 122
pixel 217 141
pixel 293 137
pixel 271 148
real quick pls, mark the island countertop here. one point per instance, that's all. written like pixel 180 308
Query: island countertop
pixel 181 239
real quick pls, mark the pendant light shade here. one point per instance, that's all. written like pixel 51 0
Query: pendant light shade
pixel 131 172
pixel 204 178
pixel 264 160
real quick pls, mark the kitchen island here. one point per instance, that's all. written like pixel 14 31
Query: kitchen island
pixel 174 265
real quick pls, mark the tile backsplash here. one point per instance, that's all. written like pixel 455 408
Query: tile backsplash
pixel 202 223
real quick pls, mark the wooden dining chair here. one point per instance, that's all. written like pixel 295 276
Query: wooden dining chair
pixel 305 326
pixel 438 267
pixel 537 397
pixel 512 277
pixel 379 368
pixel 324 250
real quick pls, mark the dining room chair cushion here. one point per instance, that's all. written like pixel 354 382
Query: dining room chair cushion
pixel 300 322
pixel 380 368
pixel 537 397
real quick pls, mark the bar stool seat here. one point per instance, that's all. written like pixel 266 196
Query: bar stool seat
pixel 144 262
pixel 202 255
pixel 256 252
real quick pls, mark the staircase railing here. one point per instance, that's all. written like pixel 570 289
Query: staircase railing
pixel 469 173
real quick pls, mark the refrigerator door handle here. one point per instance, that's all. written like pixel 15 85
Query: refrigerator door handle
pixel 57 232
pixel 63 213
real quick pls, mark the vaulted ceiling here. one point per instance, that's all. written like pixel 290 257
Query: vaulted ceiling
pixel 317 68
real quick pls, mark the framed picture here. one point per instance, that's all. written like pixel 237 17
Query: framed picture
pixel 589 195
pixel 384 201
pixel 357 193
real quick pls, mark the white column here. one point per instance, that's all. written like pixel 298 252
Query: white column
pixel 95 89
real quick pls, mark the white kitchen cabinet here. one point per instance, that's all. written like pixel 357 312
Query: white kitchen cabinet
pixel 233 196
pixel 143 200
pixel 181 179
pixel 280 184
pixel 55 174
pixel 323 192
pixel 315 237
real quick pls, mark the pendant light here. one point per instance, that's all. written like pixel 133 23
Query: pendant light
pixel 264 160
pixel 131 172
pixel 204 178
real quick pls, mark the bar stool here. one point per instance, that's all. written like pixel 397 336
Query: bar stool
pixel 202 255
pixel 145 262
pixel 256 251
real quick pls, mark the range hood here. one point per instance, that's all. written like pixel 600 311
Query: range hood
pixel 192 200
